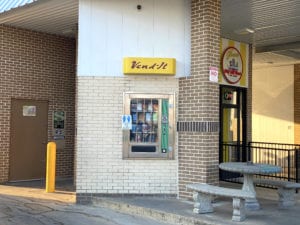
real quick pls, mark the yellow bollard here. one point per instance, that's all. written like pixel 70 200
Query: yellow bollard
pixel 50 170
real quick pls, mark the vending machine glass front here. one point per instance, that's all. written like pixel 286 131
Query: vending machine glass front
pixel 152 126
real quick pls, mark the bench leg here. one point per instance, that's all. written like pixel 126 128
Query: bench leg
pixel 202 203
pixel 238 206
pixel 248 185
pixel 286 197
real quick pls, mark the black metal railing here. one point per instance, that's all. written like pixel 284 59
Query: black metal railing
pixel 287 156
pixel 231 152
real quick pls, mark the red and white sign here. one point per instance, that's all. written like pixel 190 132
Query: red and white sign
pixel 213 74
pixel 232 65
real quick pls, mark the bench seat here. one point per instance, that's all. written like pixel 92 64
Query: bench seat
pixel 285 189
pixel 204 194
pixel 277 183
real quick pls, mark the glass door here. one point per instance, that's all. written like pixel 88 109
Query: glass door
pixel 233 124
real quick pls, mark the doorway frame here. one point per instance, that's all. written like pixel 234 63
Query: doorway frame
pixel 46 127
pixel 241 110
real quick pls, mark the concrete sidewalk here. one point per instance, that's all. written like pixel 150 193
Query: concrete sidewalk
pixel 28 203
pixel 176 211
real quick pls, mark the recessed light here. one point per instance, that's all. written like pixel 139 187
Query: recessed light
pixel 244 31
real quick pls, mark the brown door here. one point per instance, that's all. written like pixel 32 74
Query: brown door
pixel 29 119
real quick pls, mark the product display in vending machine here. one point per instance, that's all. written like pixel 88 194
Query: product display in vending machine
pixel 152 126
pixel 144 114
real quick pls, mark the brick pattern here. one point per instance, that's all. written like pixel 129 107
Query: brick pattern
pixel 198 126
pixel 40 67
pixel 297 103
pixel 198 152
pixel 100 168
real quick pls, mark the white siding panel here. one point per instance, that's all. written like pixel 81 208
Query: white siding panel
pixel 130 29
pixel 145 29
pixel 84 30
pixel 161 34
pixel 114 43
pixel 98 48
pixel 273 104
pixel 112 30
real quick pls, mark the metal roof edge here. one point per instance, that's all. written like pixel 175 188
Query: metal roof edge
pixel 21 7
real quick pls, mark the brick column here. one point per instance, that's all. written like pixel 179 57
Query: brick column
pixel 198 110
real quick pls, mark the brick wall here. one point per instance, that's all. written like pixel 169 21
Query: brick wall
pixel 198 152
pixel 297 103
pixel 100 168
pixel 40 67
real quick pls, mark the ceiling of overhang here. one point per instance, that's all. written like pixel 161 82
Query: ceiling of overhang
pixel 50 16
pixel 272 26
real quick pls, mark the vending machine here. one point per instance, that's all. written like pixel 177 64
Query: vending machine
pixel 151 132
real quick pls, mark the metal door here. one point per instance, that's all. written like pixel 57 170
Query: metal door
pixel 29 119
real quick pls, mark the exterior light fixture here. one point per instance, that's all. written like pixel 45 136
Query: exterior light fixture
pixel 244 31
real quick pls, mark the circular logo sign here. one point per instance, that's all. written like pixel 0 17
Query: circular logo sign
pixel 232 65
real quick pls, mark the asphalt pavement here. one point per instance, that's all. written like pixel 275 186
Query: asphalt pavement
pixel 28 204
pixel 21 204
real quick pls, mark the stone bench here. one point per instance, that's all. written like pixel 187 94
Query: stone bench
pixel 286 190
pixel 204 194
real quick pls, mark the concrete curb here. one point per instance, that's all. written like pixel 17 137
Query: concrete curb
pixel 160 216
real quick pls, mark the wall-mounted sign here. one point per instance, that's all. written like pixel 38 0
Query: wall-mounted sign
pixel 213 74
pixel 126 122
pixel 228 95
pixel 149 66
pixel 29 110
pixel 59 120
pixel 234 63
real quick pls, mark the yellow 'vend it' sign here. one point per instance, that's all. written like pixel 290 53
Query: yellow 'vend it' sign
pixel 151 66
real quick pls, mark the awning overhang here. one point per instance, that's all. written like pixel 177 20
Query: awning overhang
pixel 48 16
